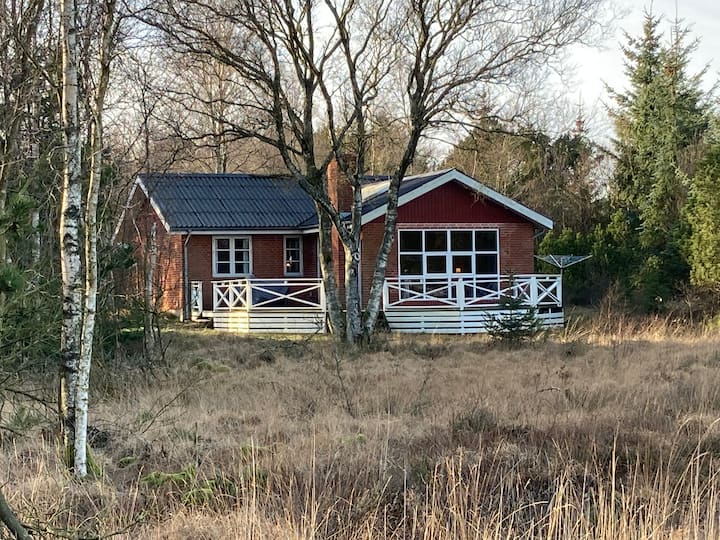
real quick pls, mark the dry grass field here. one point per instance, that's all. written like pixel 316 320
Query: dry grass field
pixel 608 430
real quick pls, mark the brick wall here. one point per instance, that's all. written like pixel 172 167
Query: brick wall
pixel 268 259
pixel 452 206
pixel 138 222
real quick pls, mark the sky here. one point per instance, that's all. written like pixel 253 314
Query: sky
pixel 597 66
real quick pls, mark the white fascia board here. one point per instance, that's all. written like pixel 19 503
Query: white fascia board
pixel 124 210
pixel 155 207
pixel 455 175
pixel 248 232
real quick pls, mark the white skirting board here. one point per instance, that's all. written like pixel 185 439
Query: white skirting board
pixel 272 322
pixel 456 321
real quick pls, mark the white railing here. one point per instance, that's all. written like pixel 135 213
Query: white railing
pixel 248 294
pixel 196 298
pixel 533 289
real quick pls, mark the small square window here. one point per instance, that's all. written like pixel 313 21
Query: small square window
pixel 435 241
pixel 485 240
pixel 485 264
pixel 411 265
pixel 410 241
pixel 436 264
pixel 461 240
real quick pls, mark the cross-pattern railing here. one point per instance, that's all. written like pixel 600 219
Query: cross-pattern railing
pixel 248 294
pixel 533 289
pixel 196 298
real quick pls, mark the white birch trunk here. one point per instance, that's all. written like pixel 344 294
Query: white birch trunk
pixel 70 225
pixel 35 226
pixel 335 315
pixel 91 242
pixel 353 313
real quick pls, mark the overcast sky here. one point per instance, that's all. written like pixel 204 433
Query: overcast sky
pixel 595 67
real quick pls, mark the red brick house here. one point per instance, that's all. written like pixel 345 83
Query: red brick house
pixel 242 249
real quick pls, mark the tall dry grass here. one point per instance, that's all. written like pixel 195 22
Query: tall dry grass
pixel 607 430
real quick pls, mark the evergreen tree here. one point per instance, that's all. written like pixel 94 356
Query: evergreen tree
pixel 704 218
pixel 659 122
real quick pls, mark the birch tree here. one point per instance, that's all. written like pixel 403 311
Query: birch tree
pixel 70 222
pixel 78 225
pixel 304 63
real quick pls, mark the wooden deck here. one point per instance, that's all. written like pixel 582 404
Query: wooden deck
pixel 415 305
pixel 468 305
pixel 292 306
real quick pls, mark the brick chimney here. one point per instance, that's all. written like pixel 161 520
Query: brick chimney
pixel 339 188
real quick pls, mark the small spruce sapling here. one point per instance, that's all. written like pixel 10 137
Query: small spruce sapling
pixel 516 322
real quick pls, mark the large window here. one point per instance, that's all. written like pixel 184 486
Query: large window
pixel 293 256
pixel 231 256
pixel 444 253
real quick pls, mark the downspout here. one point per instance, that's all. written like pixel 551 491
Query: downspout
pixel 187 308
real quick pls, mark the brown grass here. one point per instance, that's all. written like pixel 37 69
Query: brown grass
pixel 608 430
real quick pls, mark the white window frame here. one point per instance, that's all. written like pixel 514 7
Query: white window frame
pixel 448 253
pixel 300 254
pixel 231 240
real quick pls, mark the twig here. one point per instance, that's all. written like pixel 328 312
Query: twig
pixel 550 388
pixel 343 388
pixel 168 404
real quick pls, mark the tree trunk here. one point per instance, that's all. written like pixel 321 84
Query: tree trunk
pixel 8 517
pixel 335 314
pixel 353 313
pixel 91 242
pixel 91 287
pixel 70 225
pixel 149 308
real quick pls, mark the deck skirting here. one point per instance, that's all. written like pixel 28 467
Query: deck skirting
pixel 272 321
pixel 458 321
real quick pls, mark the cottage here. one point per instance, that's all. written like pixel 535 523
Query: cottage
pixel 242 249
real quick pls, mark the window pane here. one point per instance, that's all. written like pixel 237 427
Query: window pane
pixel 410 241
pixel 242 267
pixel 411 265
pixel 462 264
pixel 242 243
pixel 292 243
pixel 223 256
pixel 223 243
pixel 436 264
pixel 435 241
pixel 292 266
pixel 485 240
pixel 461 240
pixel 223 268
pixel 486 264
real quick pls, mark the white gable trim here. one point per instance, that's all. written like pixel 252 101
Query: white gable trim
pixel 455 175
pixel 155 207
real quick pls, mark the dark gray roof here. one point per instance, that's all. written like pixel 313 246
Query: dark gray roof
pixel 207 202
pixel 409 184
pixel 225 202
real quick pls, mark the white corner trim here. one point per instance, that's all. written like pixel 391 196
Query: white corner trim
pixel 455 175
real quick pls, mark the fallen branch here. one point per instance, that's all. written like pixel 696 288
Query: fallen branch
pixel 7 516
